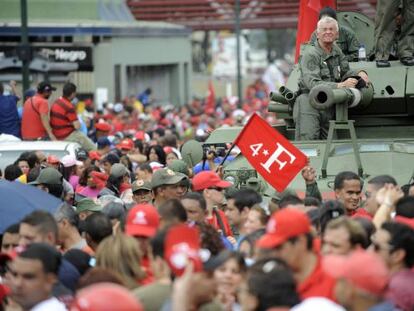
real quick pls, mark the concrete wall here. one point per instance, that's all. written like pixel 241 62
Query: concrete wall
pixel 130 51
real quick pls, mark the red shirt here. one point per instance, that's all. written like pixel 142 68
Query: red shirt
pixel 32 127
pixel 360 212
pixel 149 275
pixel 62 116
pixel 318 284
pixel 215 223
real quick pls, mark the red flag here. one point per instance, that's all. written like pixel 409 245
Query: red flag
pixel 270 153
pixel 211 97
pixel 307 20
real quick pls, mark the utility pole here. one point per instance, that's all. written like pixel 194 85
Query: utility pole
pixel 24 48
pixel 237 32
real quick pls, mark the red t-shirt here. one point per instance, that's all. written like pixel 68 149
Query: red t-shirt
pixel 318 284
pixel 360 212
pixel 32 127
pixel 62 116
pixel 215 223
pixel 149 275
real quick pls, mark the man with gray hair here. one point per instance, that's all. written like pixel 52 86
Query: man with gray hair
pixel 68 234
pixel 321 64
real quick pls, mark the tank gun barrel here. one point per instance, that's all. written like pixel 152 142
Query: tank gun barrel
pixel 288 94
pixel 278 108
pixel 277 98
pixel 284 96
pixel 322 97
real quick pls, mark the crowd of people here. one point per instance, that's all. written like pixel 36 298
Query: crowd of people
pixel 139 229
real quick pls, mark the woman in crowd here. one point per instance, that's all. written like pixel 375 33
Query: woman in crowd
pixel 256 219
pixel 228 276
pixel 156 154
pixel 91 182
pixel 121 254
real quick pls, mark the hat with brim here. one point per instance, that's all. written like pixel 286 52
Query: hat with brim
pixel 87 204
pixel 166 176
pixel 48 176
pixel 365 270
pixel 141 185
pixel 118 170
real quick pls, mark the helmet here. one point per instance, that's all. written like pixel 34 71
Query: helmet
pixel 105 297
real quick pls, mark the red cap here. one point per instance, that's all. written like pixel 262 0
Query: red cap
pixel 140 135
pixel 363 269
pixel 283 225
pixel 182 244
pixel 405 220
pixel 103 126
pixel 95 155
pixel 125 144
pixel 52 159
pixel 208 179
pixel 142 220
pixel 99 179
pixel 105 297
pixel 168 149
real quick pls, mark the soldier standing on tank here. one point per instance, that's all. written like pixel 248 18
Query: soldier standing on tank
pixel 347 39
pixel 385 25
pixel 321 64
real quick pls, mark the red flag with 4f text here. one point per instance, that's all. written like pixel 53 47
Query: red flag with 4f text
pixel 276 159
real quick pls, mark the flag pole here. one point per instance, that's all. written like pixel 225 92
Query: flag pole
pixel 226 155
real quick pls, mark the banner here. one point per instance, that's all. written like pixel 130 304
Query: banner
pixel 274 157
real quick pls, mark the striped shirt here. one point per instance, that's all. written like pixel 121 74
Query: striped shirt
pixel 62 116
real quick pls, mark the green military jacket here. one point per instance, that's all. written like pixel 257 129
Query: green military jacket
pixel 347 42
pixel 317 67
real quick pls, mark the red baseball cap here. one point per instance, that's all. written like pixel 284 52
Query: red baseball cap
pixel 125 144
pixel 208 179
pixel 182 245
pixel 52 159
pixel 283 225
pixel 364 269
pixel 105 297
pixel 99 179
pixel 95 155
pixel 140 135
pixel 103 126
pixel 142 220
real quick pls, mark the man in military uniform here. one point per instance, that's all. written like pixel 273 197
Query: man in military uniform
pixel 385 26
pixel 321 64
pixel 347 39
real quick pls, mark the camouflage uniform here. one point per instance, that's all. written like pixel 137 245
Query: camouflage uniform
pixel 347 41
pixel 316 68
pixel 385 28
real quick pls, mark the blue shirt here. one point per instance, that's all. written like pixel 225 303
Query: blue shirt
pixel 199 167
pixel 9 117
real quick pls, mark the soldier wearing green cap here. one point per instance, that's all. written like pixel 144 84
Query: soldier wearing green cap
pixel 86 207
pixel 142 191
pixel 167 184
pixel 180 166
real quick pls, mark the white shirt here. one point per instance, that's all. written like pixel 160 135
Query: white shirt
pixel 317 303
pixel 51 304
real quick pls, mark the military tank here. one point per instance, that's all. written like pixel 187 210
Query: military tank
pixel 382 116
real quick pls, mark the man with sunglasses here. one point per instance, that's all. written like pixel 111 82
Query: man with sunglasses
pixel 211 186
pixel 394 242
